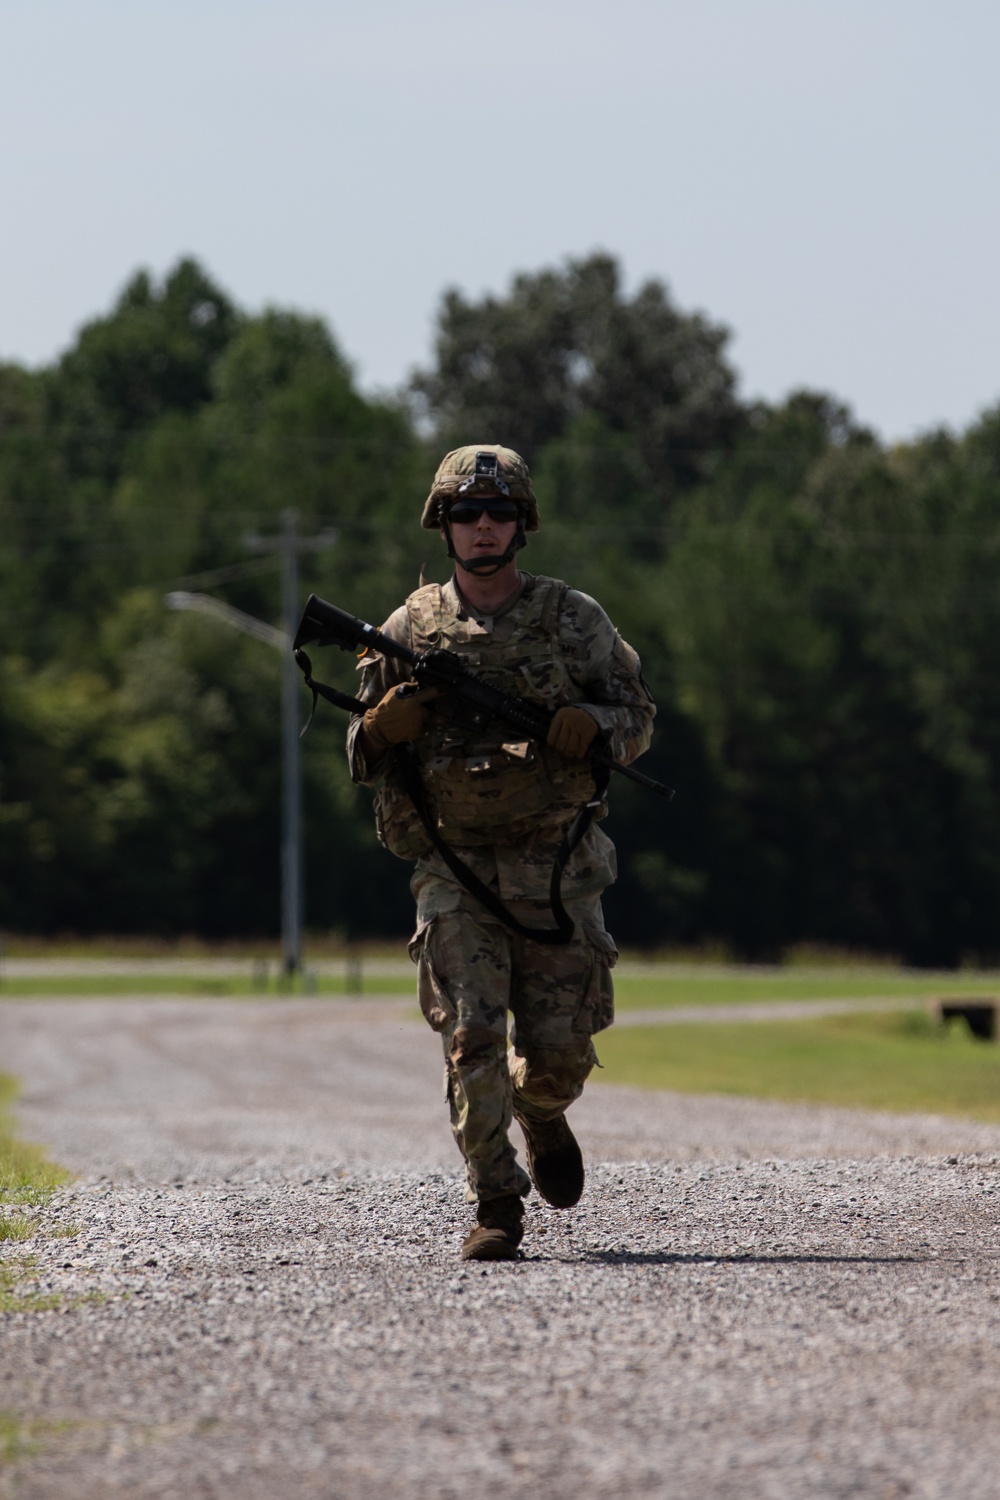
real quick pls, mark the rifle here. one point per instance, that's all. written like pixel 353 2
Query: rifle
pixel 324 624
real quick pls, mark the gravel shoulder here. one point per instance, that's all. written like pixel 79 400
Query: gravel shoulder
pixel 264 1299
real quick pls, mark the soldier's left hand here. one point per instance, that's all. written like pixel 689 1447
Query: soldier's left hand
pixel 572 732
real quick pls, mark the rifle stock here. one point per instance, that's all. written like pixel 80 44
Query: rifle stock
pixel 323 624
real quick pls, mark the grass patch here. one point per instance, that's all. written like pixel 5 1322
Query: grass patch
pixel 634 991
pixel 26 1174
pixel 16 1438
pixel 86 985
pixel 27 1178
pixel 13 1297
pixel 21 1437
pixel 732 987
pixel 64 1232
pixel 16 1227
pixel 900 1061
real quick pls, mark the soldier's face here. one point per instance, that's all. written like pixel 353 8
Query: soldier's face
pixel 484 537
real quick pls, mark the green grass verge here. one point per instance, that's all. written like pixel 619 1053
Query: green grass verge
pixel 26 1174
pixel 900 1061
pixel 633 991
pixel 27 1179
pixel 745 985
pixel 196 986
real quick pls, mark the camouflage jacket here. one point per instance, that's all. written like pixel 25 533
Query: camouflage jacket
pixel 581 660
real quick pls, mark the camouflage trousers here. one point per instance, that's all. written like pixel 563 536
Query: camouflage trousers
pixel 472 973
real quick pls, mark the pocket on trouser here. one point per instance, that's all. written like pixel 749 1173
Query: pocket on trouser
pixel 435 1002
pixel 598 1009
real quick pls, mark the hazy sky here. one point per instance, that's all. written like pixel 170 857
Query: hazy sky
pixel 820 175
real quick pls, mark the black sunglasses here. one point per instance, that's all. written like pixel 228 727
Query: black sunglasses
pixel 466 512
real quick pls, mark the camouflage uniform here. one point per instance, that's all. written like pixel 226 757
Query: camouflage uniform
pixel 558 647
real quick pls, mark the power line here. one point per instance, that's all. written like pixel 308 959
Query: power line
pixel 231 574
pixel 213 520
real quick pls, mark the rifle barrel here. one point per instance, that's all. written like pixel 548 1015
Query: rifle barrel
pixel 659 787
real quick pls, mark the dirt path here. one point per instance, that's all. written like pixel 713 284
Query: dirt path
pixel 752 1300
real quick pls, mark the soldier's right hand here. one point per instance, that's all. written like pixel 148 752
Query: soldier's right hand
pixel 396 720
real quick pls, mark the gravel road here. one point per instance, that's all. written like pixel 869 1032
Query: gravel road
pixel 263 1299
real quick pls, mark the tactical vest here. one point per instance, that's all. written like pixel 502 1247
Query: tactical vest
pixel 488 785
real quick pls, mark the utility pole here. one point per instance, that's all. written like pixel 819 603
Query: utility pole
pixel 288 545
pixel 291 759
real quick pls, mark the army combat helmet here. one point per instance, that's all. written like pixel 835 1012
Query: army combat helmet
pixel 481 471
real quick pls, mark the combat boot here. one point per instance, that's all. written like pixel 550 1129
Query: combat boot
pixel 554 1160
pixel 498 1231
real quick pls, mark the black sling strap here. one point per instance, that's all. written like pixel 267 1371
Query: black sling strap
pixel 413 785
pixel 563 931
pixel 320 690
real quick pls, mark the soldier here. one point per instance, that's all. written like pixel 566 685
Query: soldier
pixel 504 806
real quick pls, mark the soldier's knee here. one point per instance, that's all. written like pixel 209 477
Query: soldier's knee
pixel 474 1046
pixel 552 1077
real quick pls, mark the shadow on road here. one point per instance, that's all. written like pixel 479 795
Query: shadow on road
pixel 675 1258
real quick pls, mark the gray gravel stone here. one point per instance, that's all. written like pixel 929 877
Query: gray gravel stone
pixel 263 1298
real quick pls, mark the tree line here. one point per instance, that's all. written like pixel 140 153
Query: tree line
pixel 816 614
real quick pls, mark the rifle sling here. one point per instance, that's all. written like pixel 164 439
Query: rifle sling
pixel 563 931
pixel 413 785
pixel 332 695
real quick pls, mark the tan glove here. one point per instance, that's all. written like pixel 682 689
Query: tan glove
pixel 396 719
pixel 572 732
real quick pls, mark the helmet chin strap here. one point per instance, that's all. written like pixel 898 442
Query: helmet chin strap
pixel 486 567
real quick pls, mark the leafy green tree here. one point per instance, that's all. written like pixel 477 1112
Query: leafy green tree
pixel 819 611
pixel 816 616
pixel 139 754
pixel 155 353
pixel 565 343
pixel 69 433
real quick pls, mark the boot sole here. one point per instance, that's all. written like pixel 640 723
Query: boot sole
pixel 490 1250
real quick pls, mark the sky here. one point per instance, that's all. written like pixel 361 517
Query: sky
pixel 821 176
